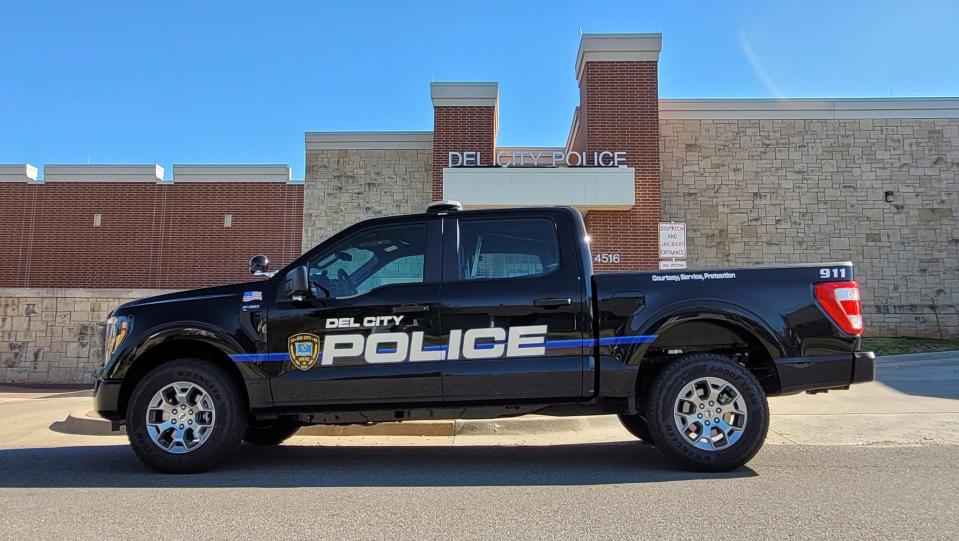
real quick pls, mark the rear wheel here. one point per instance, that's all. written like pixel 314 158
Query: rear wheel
pixel 707 413
pixel 274 434
pixel 185 416
pixel 637 426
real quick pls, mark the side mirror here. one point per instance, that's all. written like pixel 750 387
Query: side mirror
pixel 296 285
pixel 259 264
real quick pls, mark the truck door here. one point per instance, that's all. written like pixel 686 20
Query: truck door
pixel 512 301
pixel 375 298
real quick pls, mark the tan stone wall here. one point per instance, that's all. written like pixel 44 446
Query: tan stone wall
pixel 56 335
pixel 797 191
pixel 347 186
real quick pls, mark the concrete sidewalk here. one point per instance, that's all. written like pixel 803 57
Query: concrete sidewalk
pixel 913 402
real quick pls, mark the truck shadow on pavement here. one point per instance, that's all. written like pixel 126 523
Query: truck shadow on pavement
pixel 930 376
pixel 358 466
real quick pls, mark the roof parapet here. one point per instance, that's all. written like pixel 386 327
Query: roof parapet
pixel 464 94
pixel 102 173
pixel 385 140
pixel 808 108
pixel 232 173
pixel 18 172
pixel 617 48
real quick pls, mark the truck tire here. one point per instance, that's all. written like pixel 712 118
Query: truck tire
pixel 637 426
pixel 270 434
pixel 689 396
pixel 185 416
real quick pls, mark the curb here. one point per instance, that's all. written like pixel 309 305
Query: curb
pixel 88 423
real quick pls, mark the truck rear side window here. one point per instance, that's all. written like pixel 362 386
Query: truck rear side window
pixel 507 248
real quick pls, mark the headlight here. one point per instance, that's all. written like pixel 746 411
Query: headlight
pixel 117 328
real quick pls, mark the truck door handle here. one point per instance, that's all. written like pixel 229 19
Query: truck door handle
pixel 411 309
pixel 552 303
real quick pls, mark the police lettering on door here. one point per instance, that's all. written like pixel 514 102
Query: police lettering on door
pixel 396 347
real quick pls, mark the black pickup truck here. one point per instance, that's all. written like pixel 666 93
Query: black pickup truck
pixel 477 314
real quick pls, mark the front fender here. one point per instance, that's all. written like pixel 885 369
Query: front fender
pixel 195 331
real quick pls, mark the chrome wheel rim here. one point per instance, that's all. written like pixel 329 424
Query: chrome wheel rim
pixel 180 417
pixel 710 413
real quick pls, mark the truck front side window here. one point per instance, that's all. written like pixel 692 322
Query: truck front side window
pixel 370 259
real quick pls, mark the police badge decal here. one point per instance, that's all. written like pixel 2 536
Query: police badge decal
pixel 304 350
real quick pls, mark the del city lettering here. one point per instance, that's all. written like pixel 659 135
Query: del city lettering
pixel 556 158
pixel 370 321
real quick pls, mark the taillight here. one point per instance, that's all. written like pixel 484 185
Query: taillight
pixel 841 301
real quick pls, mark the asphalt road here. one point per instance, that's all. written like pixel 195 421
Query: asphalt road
pixel 599 490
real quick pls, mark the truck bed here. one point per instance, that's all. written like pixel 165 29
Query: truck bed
pixel 768 312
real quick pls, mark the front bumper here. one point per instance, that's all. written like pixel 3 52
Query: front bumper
pixel 797 374
pixel 106 399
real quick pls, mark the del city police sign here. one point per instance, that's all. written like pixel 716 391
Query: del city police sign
pixel 556 158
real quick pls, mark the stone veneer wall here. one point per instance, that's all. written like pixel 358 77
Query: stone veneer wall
pixel 797 191
pixel 56 335
pixel 344 187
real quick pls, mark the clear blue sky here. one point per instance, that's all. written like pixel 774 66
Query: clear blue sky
pixel 188 82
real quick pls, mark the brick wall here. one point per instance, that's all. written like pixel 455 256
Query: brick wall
pixel 804 191
pixel 619 110
pixel 13 226
pixel 267 218
pixel 344 187
pixel 459 129
pixel 150 235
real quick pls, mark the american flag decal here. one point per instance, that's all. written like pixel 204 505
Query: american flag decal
pixel 249 296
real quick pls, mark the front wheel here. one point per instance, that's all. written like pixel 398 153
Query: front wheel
pixel 707 413
pixel 184 416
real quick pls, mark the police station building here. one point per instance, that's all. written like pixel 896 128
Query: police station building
pixel 874 181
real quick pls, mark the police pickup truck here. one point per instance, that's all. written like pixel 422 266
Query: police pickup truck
pixel 477 314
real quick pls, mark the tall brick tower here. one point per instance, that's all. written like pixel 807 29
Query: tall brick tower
pixel 465 117
pixel 619 110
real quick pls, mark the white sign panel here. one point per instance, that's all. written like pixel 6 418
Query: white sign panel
pixel 673 264
pixel 672 240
